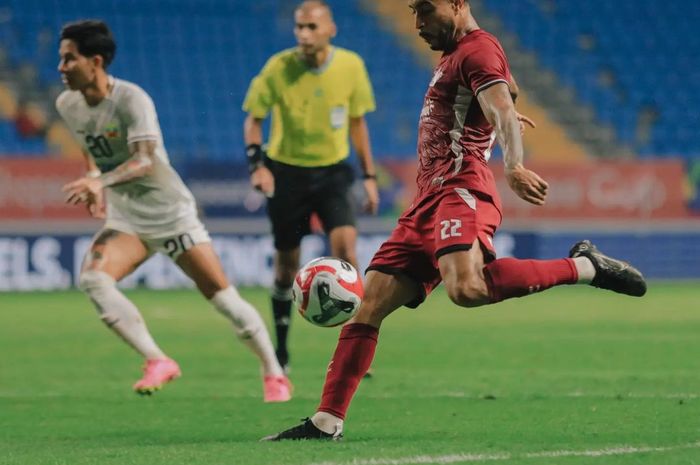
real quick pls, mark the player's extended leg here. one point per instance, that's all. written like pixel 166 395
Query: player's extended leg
pixel 202 265
pixel 471 283
pixel 286 264
pixel 112 256
pixel 465 222
pixel 353 355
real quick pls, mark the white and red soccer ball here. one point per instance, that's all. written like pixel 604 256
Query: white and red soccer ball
pixel 327 291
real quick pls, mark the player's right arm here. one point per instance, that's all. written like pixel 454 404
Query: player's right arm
pixel 260 176
pixel 91 169
pixel 497 105
pixel 258 102
pixel 95 206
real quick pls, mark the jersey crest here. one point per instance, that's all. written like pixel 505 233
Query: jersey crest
pixel 111 130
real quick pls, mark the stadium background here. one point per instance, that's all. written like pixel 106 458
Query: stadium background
pixel 615 100
pixel 573 375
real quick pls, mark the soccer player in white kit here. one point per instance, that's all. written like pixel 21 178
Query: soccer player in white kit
pixel 147 208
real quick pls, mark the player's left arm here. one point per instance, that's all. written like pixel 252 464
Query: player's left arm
pixel 89 189
pixel 139 114
pixel 359 135
pixel 140 164
pixel 497 105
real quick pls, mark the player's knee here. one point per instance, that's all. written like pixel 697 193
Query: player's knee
pixel 467 293
pixel 98 286
pixel 92 281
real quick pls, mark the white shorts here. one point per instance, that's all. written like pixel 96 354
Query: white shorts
pixel 174 243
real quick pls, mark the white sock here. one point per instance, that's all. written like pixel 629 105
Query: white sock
pixel 249 327
pixel 119 313
pixel 586 270
pixel 327 423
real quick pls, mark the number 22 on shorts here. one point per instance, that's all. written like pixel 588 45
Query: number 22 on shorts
pixel 450 228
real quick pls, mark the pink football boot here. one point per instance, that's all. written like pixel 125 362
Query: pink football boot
pixel 277 389
pixel 155 374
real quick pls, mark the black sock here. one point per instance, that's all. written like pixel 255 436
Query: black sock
pixel 282 309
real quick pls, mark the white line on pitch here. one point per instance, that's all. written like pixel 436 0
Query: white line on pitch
pixel 469 457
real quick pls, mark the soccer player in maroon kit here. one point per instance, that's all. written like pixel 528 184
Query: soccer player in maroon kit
pixel 446 234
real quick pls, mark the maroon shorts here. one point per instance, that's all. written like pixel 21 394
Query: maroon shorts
pixel 438 223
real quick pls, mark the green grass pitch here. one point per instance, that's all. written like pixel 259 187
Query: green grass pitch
pixel 571 376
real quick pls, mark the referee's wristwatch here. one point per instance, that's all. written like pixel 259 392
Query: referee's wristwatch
pixel 255 155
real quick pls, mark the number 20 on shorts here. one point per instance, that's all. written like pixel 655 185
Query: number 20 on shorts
pixel 178 244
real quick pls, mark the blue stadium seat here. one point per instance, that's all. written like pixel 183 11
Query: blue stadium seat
pixel 650 47
pixel 12 144
pixel 196 58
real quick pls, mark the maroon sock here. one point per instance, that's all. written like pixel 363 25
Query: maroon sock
pixel 351 360
pixel 509 277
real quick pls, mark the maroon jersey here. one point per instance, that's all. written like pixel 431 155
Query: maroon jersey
pixel 454 137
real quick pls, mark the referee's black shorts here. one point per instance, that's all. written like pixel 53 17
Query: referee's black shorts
pixel 299 192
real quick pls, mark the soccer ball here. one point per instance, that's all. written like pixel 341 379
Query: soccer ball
pixel 327 291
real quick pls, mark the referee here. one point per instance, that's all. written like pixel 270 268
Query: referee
pixel 318 95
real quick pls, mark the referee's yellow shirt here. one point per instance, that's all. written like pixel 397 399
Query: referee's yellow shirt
pixel 310 107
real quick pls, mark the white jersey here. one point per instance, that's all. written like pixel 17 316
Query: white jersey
pixel 153 206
